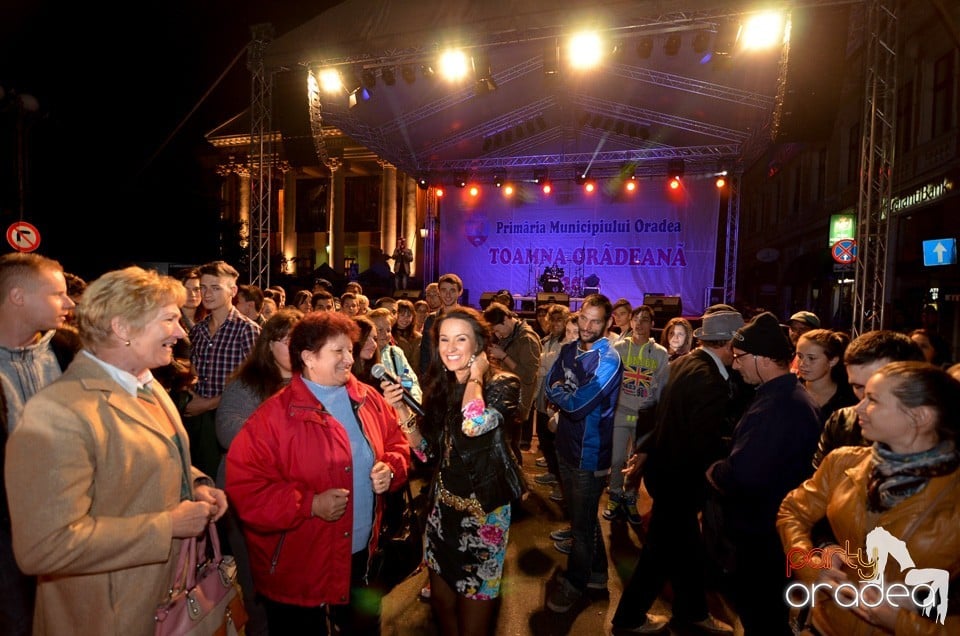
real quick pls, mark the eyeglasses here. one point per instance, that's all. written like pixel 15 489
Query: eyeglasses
pixel 737 356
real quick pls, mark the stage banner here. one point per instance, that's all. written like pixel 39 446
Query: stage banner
pixel 655 241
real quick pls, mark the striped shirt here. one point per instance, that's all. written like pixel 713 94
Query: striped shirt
pixel 214 357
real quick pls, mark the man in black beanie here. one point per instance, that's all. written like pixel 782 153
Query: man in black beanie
pixel 773 444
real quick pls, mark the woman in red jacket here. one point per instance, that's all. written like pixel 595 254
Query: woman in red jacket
pixel 305 474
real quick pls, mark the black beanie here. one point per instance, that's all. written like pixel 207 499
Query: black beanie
pixel 763 336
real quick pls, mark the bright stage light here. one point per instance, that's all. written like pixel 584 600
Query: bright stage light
pixel 674 183
pixel 584 51
pixel 721 182
pixel 508 190
pixel 546 187
pixel 330 81
pixel 454 65
pixel 762 31
pixel 439 192
pixel 630 185
pixel 474 191
pixel 589 185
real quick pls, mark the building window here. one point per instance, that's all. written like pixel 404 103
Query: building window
pixel 905 117
pixel 853 153
pixel 943 95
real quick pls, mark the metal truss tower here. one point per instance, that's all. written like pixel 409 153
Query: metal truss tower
pixel 733 240
pixel 261 156
pixel 876 164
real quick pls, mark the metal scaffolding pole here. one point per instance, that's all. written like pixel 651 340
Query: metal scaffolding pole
pixel 733 241
pixel 876 164
pixel 261 156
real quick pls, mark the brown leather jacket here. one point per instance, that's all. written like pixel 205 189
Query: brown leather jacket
pixel 838 490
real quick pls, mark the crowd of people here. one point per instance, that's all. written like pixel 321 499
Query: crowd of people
pixel 140 408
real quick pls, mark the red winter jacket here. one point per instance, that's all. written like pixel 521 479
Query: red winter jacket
pixel 290 449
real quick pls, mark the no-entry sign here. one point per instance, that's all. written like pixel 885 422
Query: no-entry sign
pixel 23 236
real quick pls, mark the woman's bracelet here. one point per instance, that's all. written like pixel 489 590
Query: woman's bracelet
pixel 409 424
pixel 479 382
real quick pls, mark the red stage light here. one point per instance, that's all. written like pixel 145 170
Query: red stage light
pixel 439 192
pixel 547 188
pixel 631 185
pixel 675 183
pixel 589 186
pixel 721 182
pixel 474 191
pixel 508 190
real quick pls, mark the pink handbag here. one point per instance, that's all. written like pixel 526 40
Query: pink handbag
pixel 204 597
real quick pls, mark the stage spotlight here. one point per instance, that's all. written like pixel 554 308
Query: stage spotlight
pixel 358 96
pixel 630 185
pixel 551 61
pixel 721 182
pixel 539 176
pixel 389 75
pixel 546 186
pixel 408 73
pixel 460 180
pixel 508 190
pixel 589 186
pixel 644 47
pixel 585 51
pixel 439 191
pixel 675 168
pixel 498 181
pixel 474 191
pixel 453 65
pixel 369 78
pixel 580 176
pixel 674 183
pixel 423 183
pixel 483 73
pixel 331 82
pixel 701 41
pixel 672 45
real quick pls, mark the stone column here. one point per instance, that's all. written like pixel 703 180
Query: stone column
pixel 410 226
pixel 388 208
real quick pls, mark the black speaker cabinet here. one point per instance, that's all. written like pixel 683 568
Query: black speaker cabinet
pixel 664 307
pixel 485 299
pixel 546 298
pixel 413 295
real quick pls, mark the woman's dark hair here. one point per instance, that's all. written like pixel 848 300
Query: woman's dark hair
pixel 834 345
pixel 314 330
pixel 259 370
pixel 925 384
pixel 362 368
pixel 665 334
pixel 441 390
pixel 302 296
pixel 941 349
pixel 404 305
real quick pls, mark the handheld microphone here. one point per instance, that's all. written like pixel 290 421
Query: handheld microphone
pixel 380 372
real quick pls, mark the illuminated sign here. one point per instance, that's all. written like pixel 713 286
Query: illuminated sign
pixel 924 194
pixel 842 226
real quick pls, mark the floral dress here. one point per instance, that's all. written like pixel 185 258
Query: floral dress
pixel 465 544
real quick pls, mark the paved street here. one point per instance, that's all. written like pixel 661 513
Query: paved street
pixel 531 562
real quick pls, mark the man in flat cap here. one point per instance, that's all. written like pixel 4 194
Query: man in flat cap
pixel 691 423
pixel 773 445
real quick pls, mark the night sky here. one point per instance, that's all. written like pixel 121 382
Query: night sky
pixel 111 149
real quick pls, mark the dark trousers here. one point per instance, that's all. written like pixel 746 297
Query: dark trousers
pixel 17 591
pixel 361 617
pixel 526 429
pixel 758 585
pixel 672 551
pixel 547 442
pixel 205 451
pixel 581 491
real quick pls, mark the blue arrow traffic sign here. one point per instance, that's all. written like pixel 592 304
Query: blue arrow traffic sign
pixel 940 252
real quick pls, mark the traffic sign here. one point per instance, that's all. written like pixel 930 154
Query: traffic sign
pixel 23 236
pixel 845 251
pixel 940 252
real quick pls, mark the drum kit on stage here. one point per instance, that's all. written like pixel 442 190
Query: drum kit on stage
pixel 551 280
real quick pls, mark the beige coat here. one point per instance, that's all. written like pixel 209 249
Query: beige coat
pixel 91 481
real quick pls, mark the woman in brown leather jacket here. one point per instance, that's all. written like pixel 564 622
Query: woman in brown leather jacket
pixel 466 408
pixel 893 504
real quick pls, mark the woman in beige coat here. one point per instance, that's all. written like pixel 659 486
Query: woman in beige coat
pixel 98 471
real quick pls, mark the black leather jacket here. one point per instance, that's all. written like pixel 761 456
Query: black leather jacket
pixel 485 460
pixel 842 428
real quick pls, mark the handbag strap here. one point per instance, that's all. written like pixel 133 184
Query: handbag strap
pixel 191 551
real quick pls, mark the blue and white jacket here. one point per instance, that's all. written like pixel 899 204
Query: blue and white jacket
pixel 584 385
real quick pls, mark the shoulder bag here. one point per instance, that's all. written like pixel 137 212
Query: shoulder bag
pixel 204 597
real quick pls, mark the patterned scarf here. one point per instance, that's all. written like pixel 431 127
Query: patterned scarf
pixel 895 476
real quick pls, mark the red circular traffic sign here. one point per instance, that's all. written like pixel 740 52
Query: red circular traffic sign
pixel 845 251
pixel 23 236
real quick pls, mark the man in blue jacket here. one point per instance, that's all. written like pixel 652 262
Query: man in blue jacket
pixel 583 383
